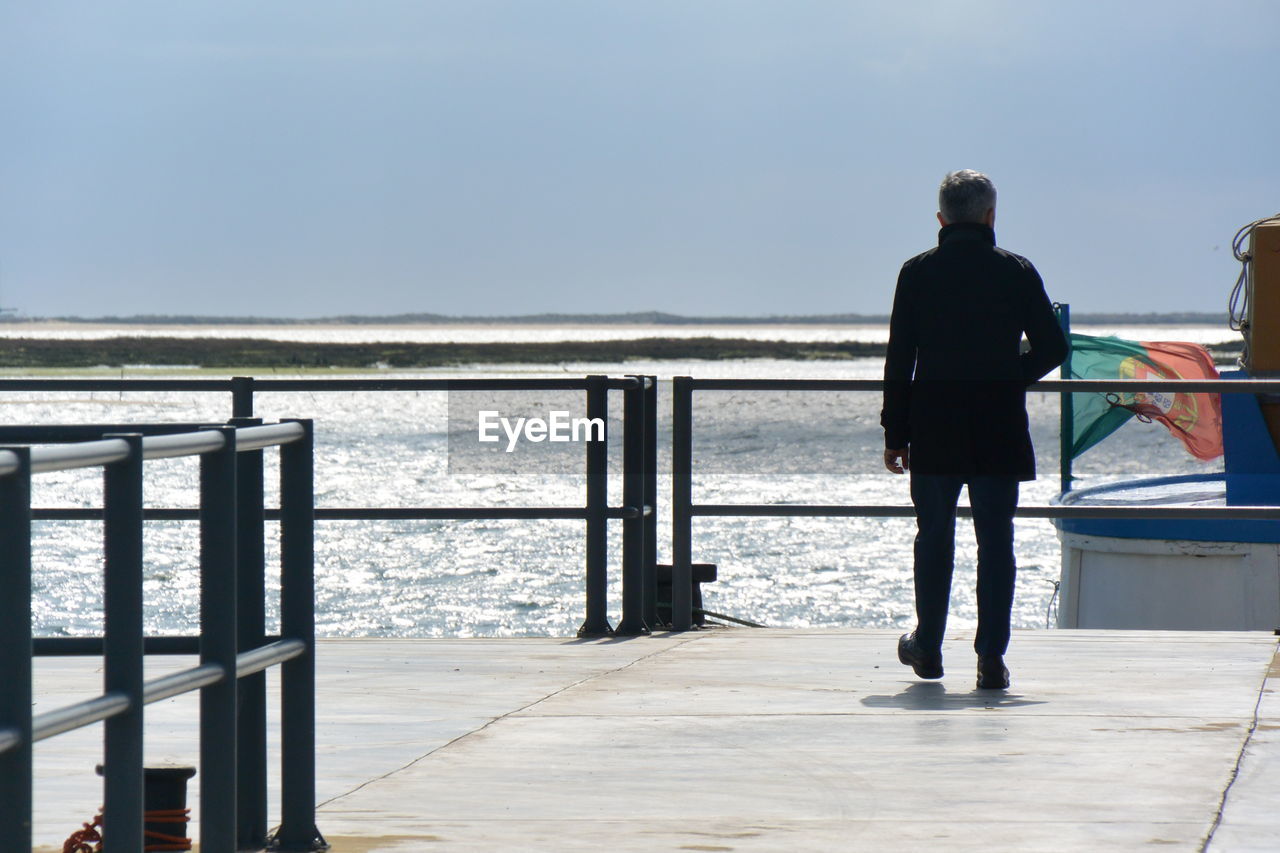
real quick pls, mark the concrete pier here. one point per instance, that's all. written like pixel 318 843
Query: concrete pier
pixel 759 740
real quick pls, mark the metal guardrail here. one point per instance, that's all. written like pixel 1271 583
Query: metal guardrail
pixel 233 651
pixel 639 588
pixel 639 488
pixel 684 510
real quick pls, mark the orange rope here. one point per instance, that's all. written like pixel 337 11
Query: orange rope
pixel 89 839
pixel 162 840
pixel 80 840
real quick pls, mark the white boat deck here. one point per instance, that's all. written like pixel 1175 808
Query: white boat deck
pixel 754 740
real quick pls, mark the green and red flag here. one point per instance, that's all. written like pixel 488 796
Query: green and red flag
pixel 1196 419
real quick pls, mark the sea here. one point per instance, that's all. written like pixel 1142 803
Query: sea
pixel 525 578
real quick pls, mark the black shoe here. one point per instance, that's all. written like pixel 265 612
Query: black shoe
pixel 992 673
pixel 925 664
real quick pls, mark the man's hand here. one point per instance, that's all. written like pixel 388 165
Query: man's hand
pixel 898 461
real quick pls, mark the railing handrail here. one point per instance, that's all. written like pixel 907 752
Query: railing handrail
pixel 1257 386
pixel 1188 386
pixel 78 715
pixel 9 739
pixel 9 463
pixel 568 383
pixel 1177 386
pixel 81 454
pixel 267 435
pixel 95 454
pixel 1259 512
pixel 183 444
pixel 182 681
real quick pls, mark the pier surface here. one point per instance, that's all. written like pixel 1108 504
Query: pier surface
pixel 758 740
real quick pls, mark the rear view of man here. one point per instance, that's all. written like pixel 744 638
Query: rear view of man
pixel 955 412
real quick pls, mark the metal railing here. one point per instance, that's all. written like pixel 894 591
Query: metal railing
pixel 639 498
pixel 232 647
pixel 684 510
pixel 639 487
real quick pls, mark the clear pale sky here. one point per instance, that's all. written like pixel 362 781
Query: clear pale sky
pixel 294 158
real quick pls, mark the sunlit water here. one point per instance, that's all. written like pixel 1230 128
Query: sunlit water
pixel 522 578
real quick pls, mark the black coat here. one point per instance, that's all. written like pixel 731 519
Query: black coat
pixel 955 376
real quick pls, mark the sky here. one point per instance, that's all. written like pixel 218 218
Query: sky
pixel 304 158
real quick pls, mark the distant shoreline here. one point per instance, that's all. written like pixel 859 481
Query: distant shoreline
pixel 647 318
pixel 263 353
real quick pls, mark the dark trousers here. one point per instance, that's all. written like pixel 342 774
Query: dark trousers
pixel 993 500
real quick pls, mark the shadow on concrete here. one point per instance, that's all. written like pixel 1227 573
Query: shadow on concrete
pixel 660 631
pixel 933 696
pixel 604 639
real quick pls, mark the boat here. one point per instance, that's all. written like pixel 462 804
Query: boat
pixel 1201 574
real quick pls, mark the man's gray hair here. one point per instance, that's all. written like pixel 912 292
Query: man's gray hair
pixel 966 196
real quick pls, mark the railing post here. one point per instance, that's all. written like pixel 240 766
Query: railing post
pixel 122 645
pixel 218 646
pixel 251 725
pixel 1066 406
pixel 242 396
pixel 681 503
pixel 15 652
pixel 651 501
pixel 297 621
pixel 597 545
pixel 633 557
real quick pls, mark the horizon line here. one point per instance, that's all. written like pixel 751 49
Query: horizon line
pixel 620 318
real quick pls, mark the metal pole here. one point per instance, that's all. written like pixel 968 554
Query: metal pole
pixel 633 441
pixel 242 396
pixel 122 645
pixel 297 621
pixel 651 501
pixel 597 581
pixel 251 726
pixel 15 651
pixel 218 646
pixel 1066 422
pixel 681 503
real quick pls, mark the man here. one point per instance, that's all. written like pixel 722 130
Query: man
pixel 955 412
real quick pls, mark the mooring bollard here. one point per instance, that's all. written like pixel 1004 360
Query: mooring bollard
pixel 165 812
pixel 164 797
pixel 699 573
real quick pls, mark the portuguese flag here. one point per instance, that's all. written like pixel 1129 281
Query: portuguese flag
pixel 1196 419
